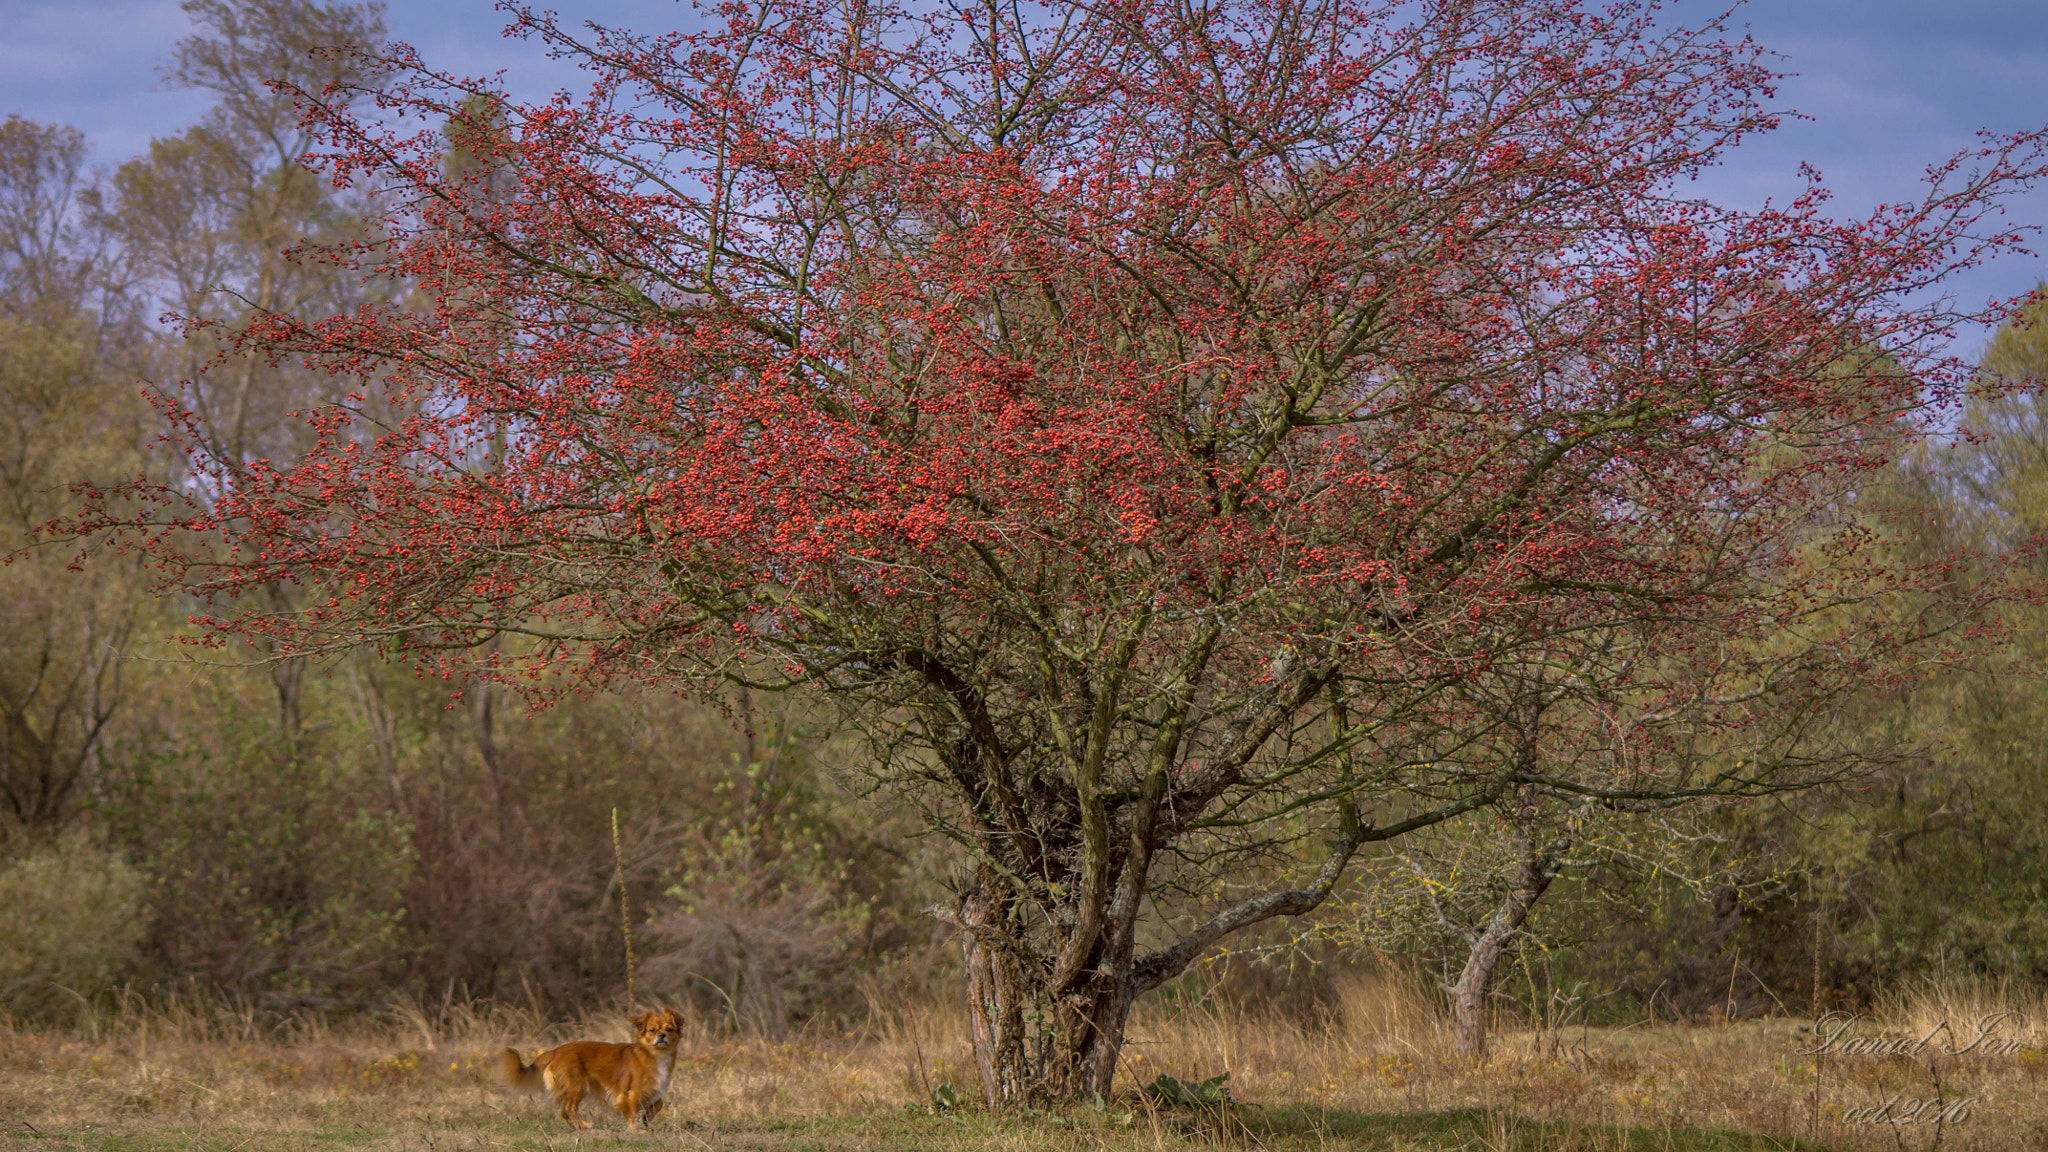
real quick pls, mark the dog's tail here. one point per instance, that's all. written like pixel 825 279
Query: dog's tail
pixel 518 1073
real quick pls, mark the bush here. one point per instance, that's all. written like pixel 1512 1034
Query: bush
pixel 71 923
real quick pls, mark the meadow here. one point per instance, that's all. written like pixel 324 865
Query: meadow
pixel 1378 1074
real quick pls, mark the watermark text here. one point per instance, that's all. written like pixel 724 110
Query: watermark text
pixel 1988 1035
pixel 1933 1110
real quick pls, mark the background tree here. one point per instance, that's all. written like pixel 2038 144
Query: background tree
pixel 68 413
pixel 208 221
pixel 2002 471
pixel 1143 422
pixel 1935 863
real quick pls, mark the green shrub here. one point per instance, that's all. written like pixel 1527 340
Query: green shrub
pixel 71 921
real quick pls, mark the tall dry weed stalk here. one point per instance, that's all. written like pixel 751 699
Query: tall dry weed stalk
pixel 1925 1004
pixel 625 914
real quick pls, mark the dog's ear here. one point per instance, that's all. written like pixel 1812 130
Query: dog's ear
pixel 641 1020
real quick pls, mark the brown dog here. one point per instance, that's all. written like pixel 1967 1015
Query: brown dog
pixel 634 1077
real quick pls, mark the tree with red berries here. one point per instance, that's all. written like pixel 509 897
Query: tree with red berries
pixel 1162 429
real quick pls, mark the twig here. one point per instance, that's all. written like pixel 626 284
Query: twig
pixel 1817 1056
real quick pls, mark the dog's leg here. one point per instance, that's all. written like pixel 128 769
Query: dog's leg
pixel 570 1093
pixel 629 1107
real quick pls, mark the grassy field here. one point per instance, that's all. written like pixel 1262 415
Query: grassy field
pixel 1380 1077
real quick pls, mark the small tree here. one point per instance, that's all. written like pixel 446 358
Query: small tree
pixel 1623 738
pixel 1144 420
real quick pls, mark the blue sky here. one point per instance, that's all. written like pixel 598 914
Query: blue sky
pixel 1891 85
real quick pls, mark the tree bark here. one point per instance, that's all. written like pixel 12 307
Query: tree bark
pixel 1037 1040
pixel 1468 996
pixel 996 994
pixel 1102 1043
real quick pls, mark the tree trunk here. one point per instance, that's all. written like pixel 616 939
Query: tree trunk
pixel 996 995
pixel 377 718
pixel 1049 1023
pixel 1102 1040
pixel 483 720
pixel 1468 995
pixel 1027 1047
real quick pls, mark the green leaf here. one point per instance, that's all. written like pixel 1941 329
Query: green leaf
pixel 1189 1094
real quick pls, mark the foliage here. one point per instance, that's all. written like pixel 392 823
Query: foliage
pixel 281 871
pixel 1932 866
pixel 67 335
pixel 777 895
pixel 62 638
pixel 2001 469
pixel 72 917
pixel 1189 1093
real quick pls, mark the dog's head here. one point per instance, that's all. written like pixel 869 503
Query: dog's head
pixel 658 1028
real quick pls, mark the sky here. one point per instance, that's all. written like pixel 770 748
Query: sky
pixel 1889 86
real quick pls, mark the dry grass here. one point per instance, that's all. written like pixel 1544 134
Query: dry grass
pixel 1382 1076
